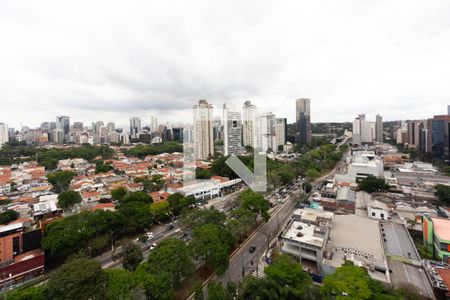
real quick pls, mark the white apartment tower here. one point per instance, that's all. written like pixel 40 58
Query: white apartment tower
pixel 266 132
pixel 3 134
pixel 203 130
pixel 232 129
pixel 363 130
pixel 249 114
pixel 153 124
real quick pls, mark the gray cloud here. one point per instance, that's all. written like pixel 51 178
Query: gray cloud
pixel 113 60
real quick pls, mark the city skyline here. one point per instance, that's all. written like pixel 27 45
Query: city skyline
pixel 157 61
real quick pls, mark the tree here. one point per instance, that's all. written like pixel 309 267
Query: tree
pixel 307 187
pixel 120 284
pixel 371 184
pixel 195 218
pixel 312 173
pixel 202 173
pixel 156 285
pixel 172 257
pixel 216 291
pixel 256 203
pixel 132 256
pixel 60 180
pixel 119 193
pixel 212 244
pixel 31 293
pixel 287 273
pixel 253 288
pixel 137 197
pixel 136 215
pixel 68 198
pixel 349 281
pixel 160 210
pixel 8 216
pixel 178 202
pixel 101 167
pixel 79 278
pixel 411 223
pixel 442 192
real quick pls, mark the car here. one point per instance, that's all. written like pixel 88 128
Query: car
pixel 153 246
pixel 149 235
pixel 170 227
pixel 252 249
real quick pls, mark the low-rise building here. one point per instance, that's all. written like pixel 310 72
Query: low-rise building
pixel 436 236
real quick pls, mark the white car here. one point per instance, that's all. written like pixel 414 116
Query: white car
pixel 153 246
pixel 149 235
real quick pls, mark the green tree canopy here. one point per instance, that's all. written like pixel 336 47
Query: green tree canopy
pixel 121 284
pixel 79 278
pixel 60 180
pixel 119 193
pixel 137 197
pixel 31 293
pixel 349 281
pixel 255 202
pixel 67 199
pixel 160 210
pixel 442 192
pixel 195 218
pixel 212 244
pixel 371 184
pixel 171 256
pixel 132 256
pixel 178 202
pixel 288 273
pixel 8 216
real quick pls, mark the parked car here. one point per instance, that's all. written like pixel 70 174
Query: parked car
pixel 252 249
pixel 170 227
pixel 153 246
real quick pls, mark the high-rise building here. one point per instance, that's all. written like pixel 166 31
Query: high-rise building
pixel 63 123
pixel 77 126
pixel 281 131
pixel 448 110
pixel 232 129
pixel 249 114
pixel 135 126
pixel 4 137
pixel 110 127
pixel 303 117
pixel 363 130
pixel 153 124
pixel 379 129
pixel 266 132
pixel 57 135
pixel 203 130
pixel 413 131
pixel 438 137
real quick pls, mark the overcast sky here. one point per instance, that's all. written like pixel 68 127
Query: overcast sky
pixel 100 60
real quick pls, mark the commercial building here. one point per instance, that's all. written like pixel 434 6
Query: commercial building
pixel 63 124
pixel 207 189
pixel 4 138
pixel 249 113
pixel 281 132
pixel 303 117
pixel 438 137
pixel 363 130
pixel 203 130
pixel 360 165
pixel 306 235
pixel 357 239
pixel 135 126
pixel 379 129
pixel 232 128
pixel 436 236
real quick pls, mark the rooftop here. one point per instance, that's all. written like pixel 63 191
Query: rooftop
pixel 442 228
pixel 303 233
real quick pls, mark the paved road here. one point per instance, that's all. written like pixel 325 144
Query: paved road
pixel 242 260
